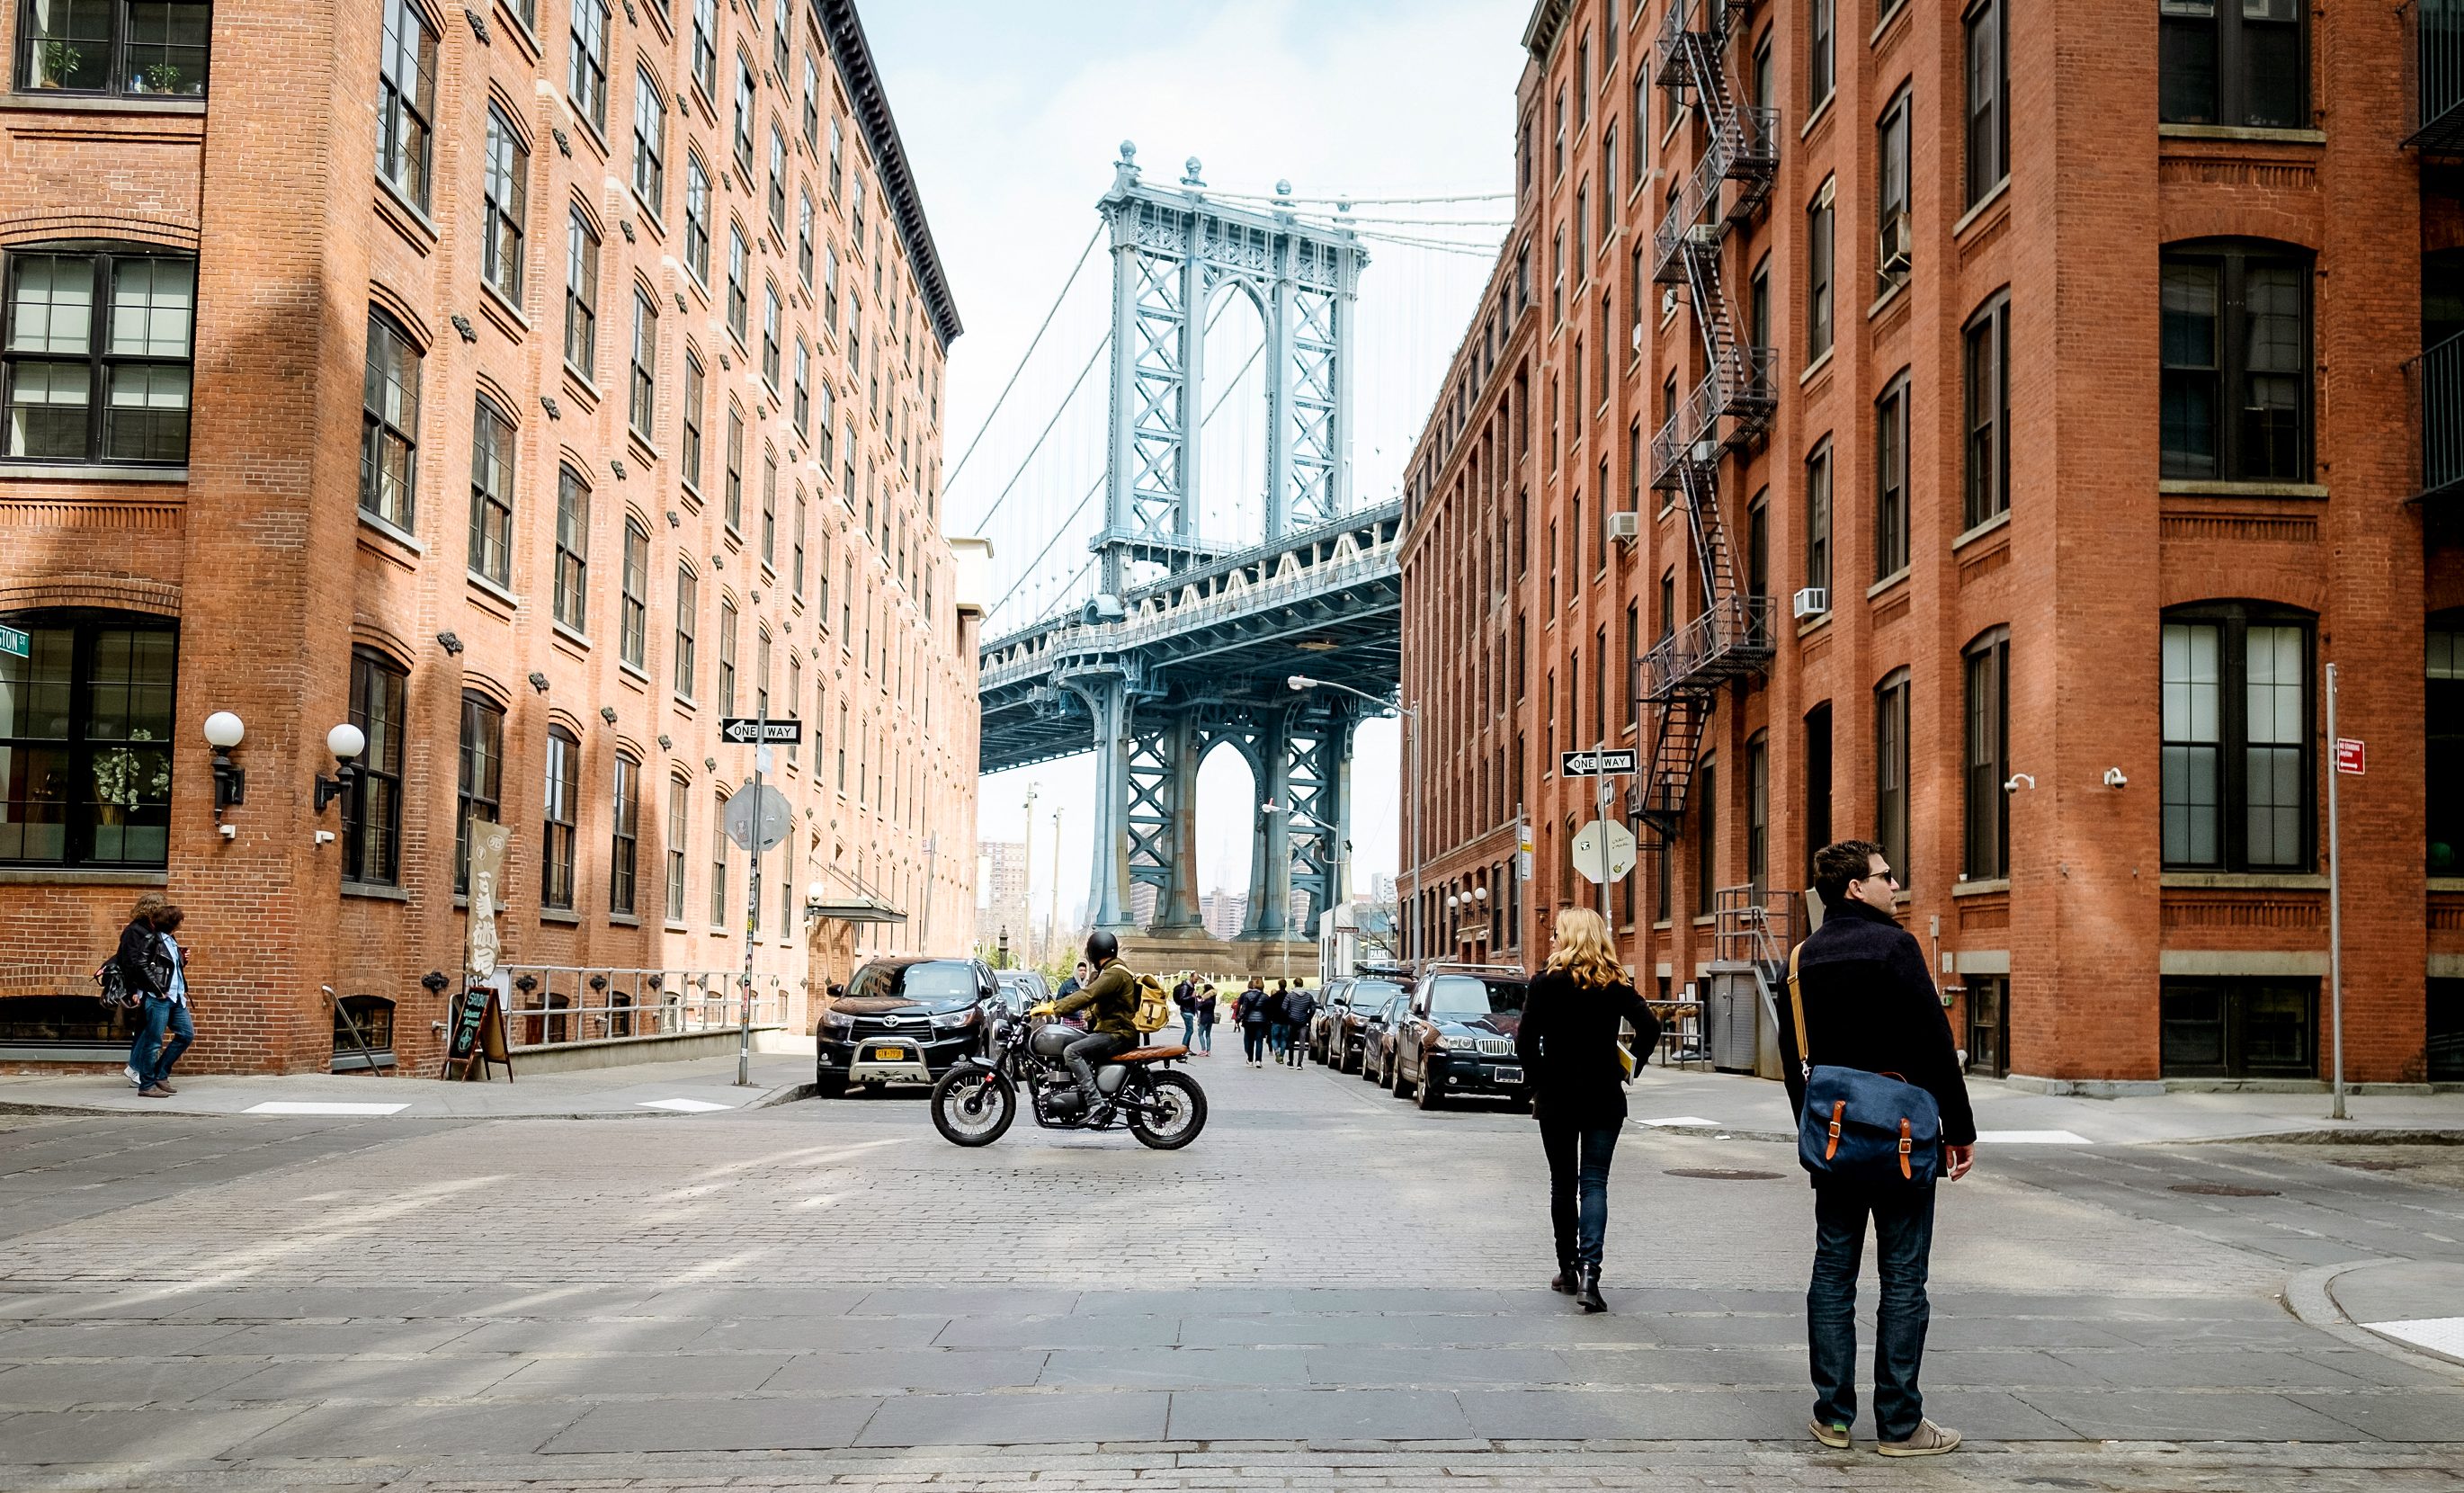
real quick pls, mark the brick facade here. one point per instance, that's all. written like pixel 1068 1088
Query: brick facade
pixel 2089 929
pixel 260 551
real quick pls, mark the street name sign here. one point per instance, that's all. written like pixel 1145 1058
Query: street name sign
pixel 773 821
pixel 1599 836
pixel 746 729
pixel 21 644
pixel 1593 764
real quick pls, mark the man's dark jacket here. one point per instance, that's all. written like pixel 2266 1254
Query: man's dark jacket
pixel 1870 1004
pixel 1299 1005
pixel 1567 1042
pixel 144 969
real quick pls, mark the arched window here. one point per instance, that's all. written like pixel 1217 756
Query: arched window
pixel 1891 721
pixel 633 612
pixel 561 812
pixel 85 730
pixel 372 807
pixel 1985 761
pixel 389 424
pixel 571 601
pixel 491 492
pixel 479 783
pixel 2236 319
pixel 625 835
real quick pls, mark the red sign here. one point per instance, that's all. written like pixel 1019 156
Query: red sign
pixel 2350 758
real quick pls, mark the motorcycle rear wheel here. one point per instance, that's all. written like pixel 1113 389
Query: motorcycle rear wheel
pixel 1179 1103
pixel 974 1107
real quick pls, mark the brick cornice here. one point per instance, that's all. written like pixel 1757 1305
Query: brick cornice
pixel 37 226
pixel 93 588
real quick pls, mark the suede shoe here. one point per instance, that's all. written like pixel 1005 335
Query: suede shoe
pixel 155 1091
pixel 1834 1436
pixel 1928 1440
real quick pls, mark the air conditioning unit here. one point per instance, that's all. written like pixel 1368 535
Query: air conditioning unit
pixel 1892 252
pixel 1669 300
pixel 1812 601
pixel 1704 453
pixel 1706 233
pixel 1626 526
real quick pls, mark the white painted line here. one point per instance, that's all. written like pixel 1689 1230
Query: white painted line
pixel 2033 1138
pixel 2438 1335
pixel 1685 1119
pixel 304 1106
pixel 683 1105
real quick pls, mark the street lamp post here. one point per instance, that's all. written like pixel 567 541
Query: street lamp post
pixel 1334 837
pixel 1412 715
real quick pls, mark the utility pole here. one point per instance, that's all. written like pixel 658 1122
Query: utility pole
pixel 1052 924
pixel 2334 899
pixel 752 897
pixel 1025 878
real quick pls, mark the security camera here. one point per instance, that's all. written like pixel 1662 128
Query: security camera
pixel 2012 784
pixel 2113 777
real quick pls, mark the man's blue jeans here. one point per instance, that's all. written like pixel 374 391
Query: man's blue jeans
pixel 147 1054
pixel 1279 1034
pixel 1189 1028
pixel 1578 1187
pixel 1902 1250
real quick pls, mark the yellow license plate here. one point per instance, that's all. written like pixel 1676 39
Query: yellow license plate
pixel 890 1054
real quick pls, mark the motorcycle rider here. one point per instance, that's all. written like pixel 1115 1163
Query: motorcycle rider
pixel 1111 1001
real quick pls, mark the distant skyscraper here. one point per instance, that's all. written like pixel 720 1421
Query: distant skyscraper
pixel 1223 912
pixel 1002 883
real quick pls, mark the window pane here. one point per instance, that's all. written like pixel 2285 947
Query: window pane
pixel 52 310
pixel 47 409
pixel 150 304
pixel 2190 805
pixel 2191 684
pixel 2272 410
pixel 2274 657
pixel 166 46
pixel 68 43
pixel 2271 66
pixel 148 414
pixel 2186 64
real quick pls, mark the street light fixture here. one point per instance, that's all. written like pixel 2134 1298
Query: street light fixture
pixel 346 742
pixel 224 731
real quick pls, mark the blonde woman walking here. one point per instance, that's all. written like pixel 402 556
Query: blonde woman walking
pixel 1567 1041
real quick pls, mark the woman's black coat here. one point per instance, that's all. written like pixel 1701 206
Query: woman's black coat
pixel 1567 1042
pixel 144 969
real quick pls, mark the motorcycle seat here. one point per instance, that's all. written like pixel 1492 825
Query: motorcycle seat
pixel 1152 1054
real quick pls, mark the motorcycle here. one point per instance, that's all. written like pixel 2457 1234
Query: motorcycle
pixel 975 1101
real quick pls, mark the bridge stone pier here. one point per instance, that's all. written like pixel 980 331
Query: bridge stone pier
pixel 1189 642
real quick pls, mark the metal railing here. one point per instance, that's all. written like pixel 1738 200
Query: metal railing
pixel 2435 380
pixel 1721 640
pixel 569 1005
pixel 2437 124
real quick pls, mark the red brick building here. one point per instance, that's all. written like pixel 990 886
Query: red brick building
pixel 1976 428
pixel 528 384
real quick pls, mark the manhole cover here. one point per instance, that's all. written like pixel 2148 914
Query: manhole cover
pixel 2380 1166
pixel 1723 1174
pixel 2225 1190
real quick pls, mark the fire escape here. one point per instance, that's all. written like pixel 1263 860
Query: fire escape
pixel 1728 409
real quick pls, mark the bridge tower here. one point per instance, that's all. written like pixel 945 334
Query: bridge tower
pixel 1175 252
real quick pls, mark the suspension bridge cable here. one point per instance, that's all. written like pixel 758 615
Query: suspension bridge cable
pixel 1083 256
pixel 1437 246
pixel 1378 202
pixel 1363 217
pixel 1012 485
pixel 1028 573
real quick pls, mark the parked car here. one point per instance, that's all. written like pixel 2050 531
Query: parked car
pixel 1347 1041
pixel 1330 998
pixel 1458 1037
pixel 1022 990
pixel 902 1021
pixel 1378 1035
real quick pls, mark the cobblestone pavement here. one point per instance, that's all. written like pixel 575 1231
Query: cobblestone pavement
pixel 1328 1289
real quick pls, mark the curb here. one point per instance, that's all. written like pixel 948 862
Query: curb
pixel 2308 1297
pixel 2380 1136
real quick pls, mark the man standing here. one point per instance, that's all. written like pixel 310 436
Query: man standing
pixel 1870 1003
pixel 1076 981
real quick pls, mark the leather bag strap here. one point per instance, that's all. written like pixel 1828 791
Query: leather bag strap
pixel 1797 1010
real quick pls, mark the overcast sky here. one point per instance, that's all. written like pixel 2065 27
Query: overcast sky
pixel 1012 115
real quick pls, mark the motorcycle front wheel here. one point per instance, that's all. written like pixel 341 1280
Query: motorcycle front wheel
pixel 974 1107
pixel 1174 1113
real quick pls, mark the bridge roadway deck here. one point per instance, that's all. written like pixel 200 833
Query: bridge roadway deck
pixel 1329 1290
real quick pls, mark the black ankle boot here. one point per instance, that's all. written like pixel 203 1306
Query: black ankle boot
pixel 1590 1293
pixel 1566 1279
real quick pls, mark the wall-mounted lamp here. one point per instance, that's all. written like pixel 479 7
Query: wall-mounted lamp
pixel 539 681
pixel 346 742
pixel 2113 777
pixel 1453 901
pixel 2013 783
pixel 1480 893
pixel 223 732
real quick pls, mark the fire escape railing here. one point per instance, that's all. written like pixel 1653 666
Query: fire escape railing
pixel 2435 380
pixel 1729 408
pixel 2437 76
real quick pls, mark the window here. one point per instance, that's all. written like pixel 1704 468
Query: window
pixel 572 548
pixel 1817 779
pixel 770 315
pixel 85 734
pixel 1891 479
pixel 581 295
pixel 744 87
pixel 737 296
pixel 560 810
pixel 643 390
pixel 726 657
pixel 390 424
pixel 1758 549
pixel 1583 82
pixel 705 47
pixel 689 458
pixel 2240 62
pixel 804 237
pixel 1633 665
pixel 406 102
pixel 2236 724
pixel 2236 363
pixel 2220 1027
pixel 802 384
pixel 649 142
pixel 1987 763
pixel 679 824
pixel 1986 384
pixel 1891 773
pixel 1896 243
pixel 781 22
pixel 1817 520
pixel 479 783
pixel 1758 310
pixel 732 500
pixel 1706 835
pixel 503 194
pixel 633 608
pixel 1821 48
pixel 1817 257
pixel 718 863
pixel 2442 762
pixel 1758 813
pixel 491 492
pixel 777 197
pixel 372 804
pixel 769 509
pixel 115 46
pixel 688 600
pixel 625 836
pixel 696 218
pixel 587 79
pixel 795 694
pixel 81 388
pixel 837 152
pixel 1989 105
pixel 796 565
pixel 813 104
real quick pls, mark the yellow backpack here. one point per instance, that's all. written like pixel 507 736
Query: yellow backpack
pixel 1154 1005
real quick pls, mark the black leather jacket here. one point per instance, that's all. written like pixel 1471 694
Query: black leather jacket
pixel 144 969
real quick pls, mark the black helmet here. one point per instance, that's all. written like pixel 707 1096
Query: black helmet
pixel 1101 946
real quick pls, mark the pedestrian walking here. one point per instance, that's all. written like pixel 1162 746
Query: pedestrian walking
pixel 1298 1007
pixel 1206 1022
pixel 1863 1005
pixel 1279 1025
pixel 153 964
pixel 1250 1010
pixel 1185 995
pixel 1575 1066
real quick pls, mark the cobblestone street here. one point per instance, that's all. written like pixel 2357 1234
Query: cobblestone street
pixel 1328 1290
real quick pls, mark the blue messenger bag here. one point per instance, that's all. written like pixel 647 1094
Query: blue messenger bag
pixel 1874 1130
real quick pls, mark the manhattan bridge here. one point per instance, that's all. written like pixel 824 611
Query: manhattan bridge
pixel 1218 581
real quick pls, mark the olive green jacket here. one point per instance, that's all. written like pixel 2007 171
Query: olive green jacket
pixel 1113 995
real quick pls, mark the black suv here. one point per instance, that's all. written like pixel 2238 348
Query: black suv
pixel 1347 1034
pixel 1330 998
pixel 1378 1033
pixel 1458 1037
pixel 902 1021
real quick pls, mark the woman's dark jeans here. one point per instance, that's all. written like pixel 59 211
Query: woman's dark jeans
pixel 1903 1249
pixel 1253 1040
pixel 1578 1187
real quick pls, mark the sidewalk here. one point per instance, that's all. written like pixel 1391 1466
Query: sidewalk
pixel 702 1085
pixel 2418 1304
pixel 1695 1099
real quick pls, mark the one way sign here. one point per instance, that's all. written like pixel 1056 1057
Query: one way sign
pixel 745 730
pixel 1593 764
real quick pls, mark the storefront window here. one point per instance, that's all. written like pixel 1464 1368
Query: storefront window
pixel 85 730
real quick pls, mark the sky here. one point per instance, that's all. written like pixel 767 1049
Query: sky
pixel 1012 115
